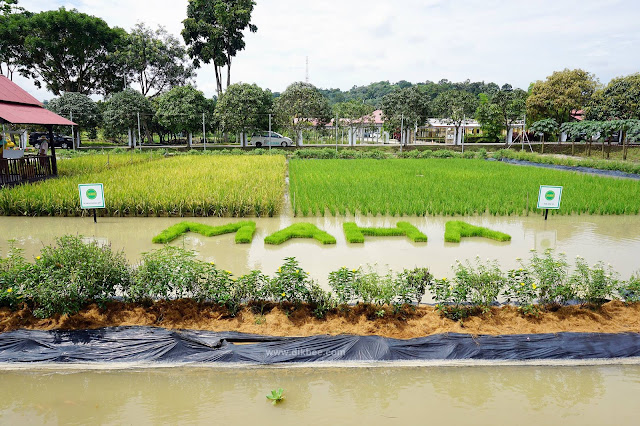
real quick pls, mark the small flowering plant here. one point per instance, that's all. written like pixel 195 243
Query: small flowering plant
pixel 291 283
pixel 344 282
pixel 450 298
pixel 593 285
pixel 522 291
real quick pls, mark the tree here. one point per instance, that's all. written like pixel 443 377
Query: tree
pixel 81 109
pixel 353 113
pixel 155 60
pixel 70 51
pixel 548 126
pixel 619 100
pixel 506 106
pixel 244 107
pixel 301 106
pixel 180 109
pixel 121 112
pixel 7 6
pixel 13 29
pixel 405 107
pixel 213 32
pixel 560 94
pixel 454 106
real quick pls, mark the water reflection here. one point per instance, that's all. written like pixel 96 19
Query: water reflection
pixel 524 394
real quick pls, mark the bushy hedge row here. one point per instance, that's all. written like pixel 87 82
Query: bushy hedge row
pixel 545 281
pixel 73 273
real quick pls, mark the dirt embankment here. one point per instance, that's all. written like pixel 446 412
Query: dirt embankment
pixel 613 317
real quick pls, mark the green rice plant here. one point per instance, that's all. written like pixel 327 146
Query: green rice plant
pixel 300 230
pixel 448 186
pixel 356 234
pixel 244 231
pixel 203 185
pixel 455 230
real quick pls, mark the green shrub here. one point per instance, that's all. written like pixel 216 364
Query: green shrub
pixel 522 290
pixel 629 291
pixel 594 285
pixel 474 288
pixel 12 274
pixel 168 273
pixel 291 283
pixel 343 283
pixel 300 230
pixel 66 277
pixel 551 275
pixel 414 282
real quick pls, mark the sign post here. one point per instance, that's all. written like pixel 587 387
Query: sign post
pixel 91 197
pixel 549 198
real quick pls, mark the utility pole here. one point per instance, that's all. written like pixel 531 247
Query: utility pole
pixel 269 132
pixel 307 70
pixel 204 133
pixel 73 138
pixel 401 130
pixel 139 134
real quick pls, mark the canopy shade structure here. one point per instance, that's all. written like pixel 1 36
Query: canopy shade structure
pixel 19 107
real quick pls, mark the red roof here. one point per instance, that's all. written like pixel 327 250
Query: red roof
pixel 11 92
pixel 31 114
pixel 19 107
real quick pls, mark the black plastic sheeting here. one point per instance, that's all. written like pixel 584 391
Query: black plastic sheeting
pixel 589 170
pixel 157 345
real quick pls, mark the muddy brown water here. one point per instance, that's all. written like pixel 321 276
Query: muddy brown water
pixel 612 239
pixel 478 395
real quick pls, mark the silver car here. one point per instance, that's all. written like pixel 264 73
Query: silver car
pixel 269 139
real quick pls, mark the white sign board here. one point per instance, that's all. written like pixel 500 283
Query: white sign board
pixel 549 197
pixel 91 196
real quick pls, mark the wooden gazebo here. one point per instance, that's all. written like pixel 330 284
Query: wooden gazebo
pixel 19 107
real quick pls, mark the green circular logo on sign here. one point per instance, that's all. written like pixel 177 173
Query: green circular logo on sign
pixel 91 194
pixel 550 195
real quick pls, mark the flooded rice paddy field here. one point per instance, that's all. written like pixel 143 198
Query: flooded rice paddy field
pixel 479 395
pixel 612 239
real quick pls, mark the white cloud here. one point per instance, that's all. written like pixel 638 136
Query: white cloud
pixel 356 42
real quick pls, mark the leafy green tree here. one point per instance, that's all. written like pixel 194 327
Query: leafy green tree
pixel 70 51
pixel 244 107
pixel 13 29
pixel 562 92
pixel 301 106
pixel 78 107
pixel 121 112
pixel 489 119
pixel 8 6
pixel 155 60
pixel 505 106
pixel 180 109
pixel 353 114
pixel 619 100
pixel 454 106
pixel 548 126
pixel 213 32
pixel 404 108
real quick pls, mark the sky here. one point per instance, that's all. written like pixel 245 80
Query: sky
pixel 356 42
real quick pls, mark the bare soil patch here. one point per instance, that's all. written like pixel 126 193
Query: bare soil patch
pixel 613 317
